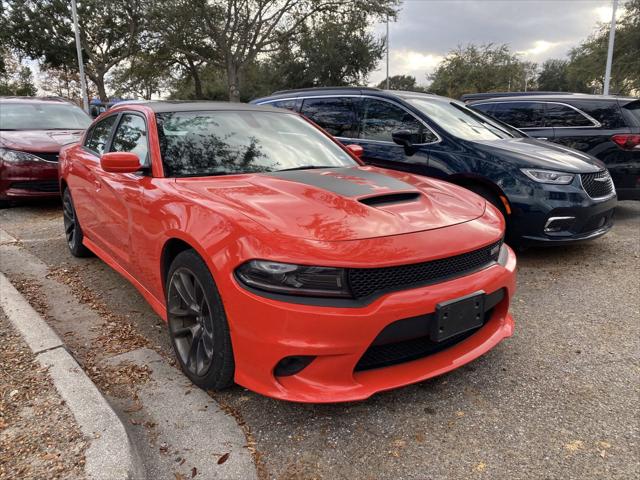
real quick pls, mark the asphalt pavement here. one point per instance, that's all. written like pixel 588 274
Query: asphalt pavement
pixel 559 400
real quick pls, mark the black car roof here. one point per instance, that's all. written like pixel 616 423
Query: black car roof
pixel 166 106
pixel 329 91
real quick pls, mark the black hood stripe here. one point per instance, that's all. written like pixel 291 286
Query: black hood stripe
pixel 348 182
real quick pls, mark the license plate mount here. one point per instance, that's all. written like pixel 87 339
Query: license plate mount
pixel 457 316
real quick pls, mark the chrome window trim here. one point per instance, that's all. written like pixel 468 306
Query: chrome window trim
pixel 393 102
pixel 594 122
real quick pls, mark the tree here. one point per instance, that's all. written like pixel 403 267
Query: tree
pixel 244 30
pixel 110 32
pixel 143 75
pixel 334 50
pixel 15 78
pixel 480 68
pixel 553 76
pixel 587 61
pixel 402 82
pixel 62 82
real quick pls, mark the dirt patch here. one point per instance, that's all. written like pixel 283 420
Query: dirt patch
pixel 39 437
pixel 120 380
pixel 31 290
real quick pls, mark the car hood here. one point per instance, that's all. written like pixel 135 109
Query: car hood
pixel 38 140
pixel 532 153
pixel 337 204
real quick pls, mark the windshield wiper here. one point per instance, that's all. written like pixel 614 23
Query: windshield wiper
pixel 307 167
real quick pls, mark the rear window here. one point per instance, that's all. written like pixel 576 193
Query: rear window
pixel 200 144
pixel 633 110
pixel 42 116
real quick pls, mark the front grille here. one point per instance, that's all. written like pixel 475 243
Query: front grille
pixel 368 281
pixel 597 185
pixel 49 157
pixel 379 356
pixel 46 186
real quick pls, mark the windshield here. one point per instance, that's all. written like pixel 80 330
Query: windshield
pixel 42 116
pixel 459 120
pixel 228 142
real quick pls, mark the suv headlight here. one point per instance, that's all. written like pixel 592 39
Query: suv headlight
pixel 16 157
pixel 289 279
pixel 548 176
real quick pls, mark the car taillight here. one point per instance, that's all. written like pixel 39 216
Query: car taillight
pixel 626 141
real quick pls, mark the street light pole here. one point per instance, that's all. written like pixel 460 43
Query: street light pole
pixel 612 37
pixel 387 52
pixel 83 80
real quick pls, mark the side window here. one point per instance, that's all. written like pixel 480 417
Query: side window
pixel 336 115
pixel 380 119
pixel 520 114
pixel 131 136
pixel 486 108
pixel 288 104
pixel 99 136
pixel 557 115
pixel 607 112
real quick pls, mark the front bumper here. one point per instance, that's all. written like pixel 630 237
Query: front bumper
pixel 29 180
pixel 538 210
pixel 338 338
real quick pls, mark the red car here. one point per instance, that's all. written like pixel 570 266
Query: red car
pixel 32 130
pixel 278 260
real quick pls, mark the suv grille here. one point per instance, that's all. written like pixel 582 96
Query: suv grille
pixel 49 157
pixel 368 281
pixel 598 184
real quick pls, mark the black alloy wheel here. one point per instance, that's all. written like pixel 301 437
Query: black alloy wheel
pixel 72 231
pixel 197 323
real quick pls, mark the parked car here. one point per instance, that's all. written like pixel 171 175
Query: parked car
pixel 278 259
pixel 549 194
pixel 470 97
pixel 606 127
pixel 32 130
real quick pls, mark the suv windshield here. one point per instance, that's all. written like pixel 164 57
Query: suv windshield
pixel 228 142
pixel 42 116
pixel 459 121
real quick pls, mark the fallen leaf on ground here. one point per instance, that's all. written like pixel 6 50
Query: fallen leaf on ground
pixel 574 446
pixel 223 459
pixel 480 467
pixel 194 472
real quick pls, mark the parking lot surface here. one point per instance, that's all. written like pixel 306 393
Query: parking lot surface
pixel 559 400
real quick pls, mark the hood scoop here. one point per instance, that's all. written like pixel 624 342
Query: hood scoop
pixel 390 199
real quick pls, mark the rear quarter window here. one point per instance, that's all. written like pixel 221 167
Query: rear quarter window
pixel 607 113
pixel 632 112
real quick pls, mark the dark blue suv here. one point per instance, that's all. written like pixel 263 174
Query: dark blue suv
pixel 549 194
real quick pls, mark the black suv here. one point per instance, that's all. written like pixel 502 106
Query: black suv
pixel 548 193
pixel 603 126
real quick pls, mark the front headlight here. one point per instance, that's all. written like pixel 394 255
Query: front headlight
pixel 16 157
pixel 548 176
pixel 289 279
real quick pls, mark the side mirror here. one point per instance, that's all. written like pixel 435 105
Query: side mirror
pixel 357 150
pixel 404 138
pixel 120 162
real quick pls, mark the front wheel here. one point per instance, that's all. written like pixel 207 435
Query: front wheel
pixel 197 323
pixel 72 231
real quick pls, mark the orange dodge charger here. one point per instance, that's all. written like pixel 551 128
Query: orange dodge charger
pixel 277 259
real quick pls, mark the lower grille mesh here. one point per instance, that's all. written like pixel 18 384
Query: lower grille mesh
pixel 368 281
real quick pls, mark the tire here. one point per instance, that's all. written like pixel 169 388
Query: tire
pixel 198 324
pixel 489 196
pixel 72 230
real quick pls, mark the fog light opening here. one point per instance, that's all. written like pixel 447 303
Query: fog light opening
pixel 291 365
pixel 558 224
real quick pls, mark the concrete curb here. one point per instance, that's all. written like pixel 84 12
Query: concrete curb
pixel 110 454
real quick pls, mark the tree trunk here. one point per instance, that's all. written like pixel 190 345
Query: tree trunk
pixel 233 81
pixel 197 81
pixel 98 80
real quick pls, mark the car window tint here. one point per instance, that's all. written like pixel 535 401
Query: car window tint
pixel 288 104
pixel 633 109
pixel 335 115
pixel 97 139
pixel 131 136
pixel 205 143
pixel 486 108
pixel 520 114
pixel 380 119
pixel 608 113
pixel 557 115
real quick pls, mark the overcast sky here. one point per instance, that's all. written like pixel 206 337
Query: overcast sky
pixel 538 29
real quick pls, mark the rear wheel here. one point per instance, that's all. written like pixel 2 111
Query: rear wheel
pixel 197 323
pixel 72 229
